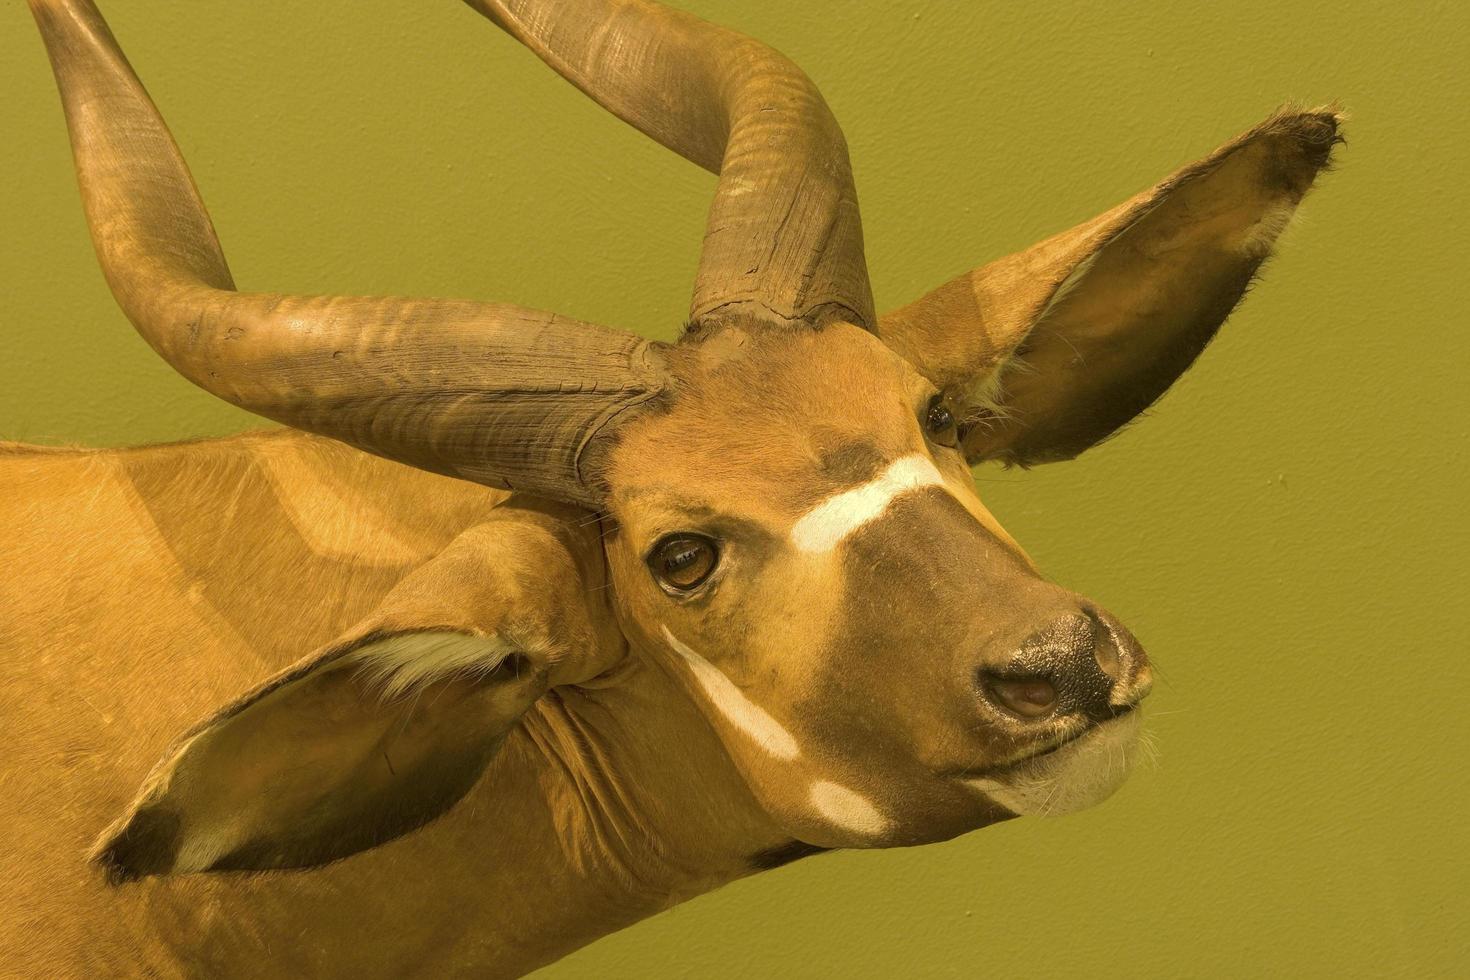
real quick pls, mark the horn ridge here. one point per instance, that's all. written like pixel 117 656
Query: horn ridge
pixel 482 391
pixel 783 241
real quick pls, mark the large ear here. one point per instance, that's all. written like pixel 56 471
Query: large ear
pixel 1053 349
pixel 381 732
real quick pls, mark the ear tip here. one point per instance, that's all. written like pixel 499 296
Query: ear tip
pixel 1313 131
pixel 142 844
pixel 115 868
pixel 1292 146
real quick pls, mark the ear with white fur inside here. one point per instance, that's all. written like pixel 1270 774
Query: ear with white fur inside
pixel 325 760
pixel 380 732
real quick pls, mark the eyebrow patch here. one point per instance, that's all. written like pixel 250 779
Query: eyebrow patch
pixel 824 526
pixel 731 702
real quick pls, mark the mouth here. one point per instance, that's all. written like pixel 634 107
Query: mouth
pixel 1121 713
pixel 1076 771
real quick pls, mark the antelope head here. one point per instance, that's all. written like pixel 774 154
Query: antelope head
pixel 790 525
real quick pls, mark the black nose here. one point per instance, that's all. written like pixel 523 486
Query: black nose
pixel 1075 665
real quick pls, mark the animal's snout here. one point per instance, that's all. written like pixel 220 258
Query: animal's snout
pixel 1081 664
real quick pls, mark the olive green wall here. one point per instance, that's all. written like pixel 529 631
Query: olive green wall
pixel 1283 532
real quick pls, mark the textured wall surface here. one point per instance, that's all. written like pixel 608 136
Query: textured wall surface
pixel 1282 533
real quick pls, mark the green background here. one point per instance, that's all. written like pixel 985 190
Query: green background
pixel 1285 533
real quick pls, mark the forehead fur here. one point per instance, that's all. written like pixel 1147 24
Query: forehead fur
pixel 773 419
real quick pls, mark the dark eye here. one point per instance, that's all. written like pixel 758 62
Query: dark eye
pixel 939 423
pixel 681 562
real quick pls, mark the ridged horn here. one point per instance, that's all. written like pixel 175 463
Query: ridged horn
pixel 494 393
pixel 784 241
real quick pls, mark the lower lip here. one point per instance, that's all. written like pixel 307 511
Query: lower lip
pixel 1060 745
pixel 1119 715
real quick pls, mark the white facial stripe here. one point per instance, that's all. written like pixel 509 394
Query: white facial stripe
pixel 824 526
pixel 836 804
pixel 844 808
pixel 731 702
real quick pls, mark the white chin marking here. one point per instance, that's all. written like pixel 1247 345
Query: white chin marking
pixel 844 808
pixel 731 702
pixel 1080 774
pixel 824 526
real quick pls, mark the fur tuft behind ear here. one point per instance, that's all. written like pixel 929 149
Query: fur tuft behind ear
pixel 418 660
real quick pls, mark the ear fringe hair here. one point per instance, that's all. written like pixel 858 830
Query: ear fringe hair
pixel 404 665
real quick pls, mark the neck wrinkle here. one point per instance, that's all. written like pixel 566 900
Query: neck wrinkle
pixel 597 820
pixel 645 797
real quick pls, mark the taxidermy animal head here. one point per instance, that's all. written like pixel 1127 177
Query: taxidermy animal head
pixel 781 501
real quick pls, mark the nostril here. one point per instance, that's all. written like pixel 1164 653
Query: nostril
pixel 1029 697
pixel 1109 658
